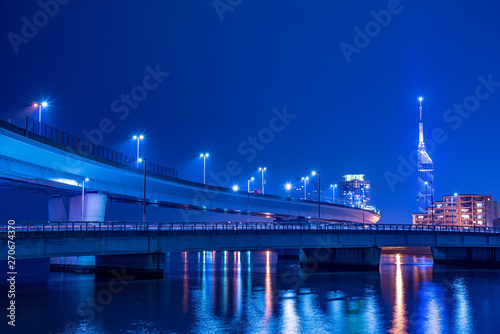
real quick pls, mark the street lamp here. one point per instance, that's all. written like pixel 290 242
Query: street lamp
pixel 288 188
pixel 263 169
pixel 235 188
pixel 250 179
pixel 140 160
pixel 204 156
pixel 305 179
pixel 248 197
pixel 138 138
pixel 452 214
pixel 83 195
pixel 314 173
pixel 333 186
pixel 44 104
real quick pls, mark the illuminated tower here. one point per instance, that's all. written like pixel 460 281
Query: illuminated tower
pixel 425 170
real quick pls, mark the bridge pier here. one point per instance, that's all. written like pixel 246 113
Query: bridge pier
pixel 340 259
pixel 94 210
pixel 485 257
pixel 140 266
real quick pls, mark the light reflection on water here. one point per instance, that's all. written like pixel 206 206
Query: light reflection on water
pixel 253 292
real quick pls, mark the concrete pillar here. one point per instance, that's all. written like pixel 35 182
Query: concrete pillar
pixel 140 266
pixel 94 207
pixel 57 209
pixel 485 257
pixel 94 210
pixel 340 259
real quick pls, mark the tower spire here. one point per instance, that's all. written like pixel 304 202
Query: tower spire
pixel 421 144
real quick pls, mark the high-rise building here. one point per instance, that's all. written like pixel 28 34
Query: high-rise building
pixel 460 210
pixel 425 170
pixel 354 191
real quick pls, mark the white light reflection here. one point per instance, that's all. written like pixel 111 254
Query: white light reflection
pixel 399 319
pixel 463 309
pixel 290 319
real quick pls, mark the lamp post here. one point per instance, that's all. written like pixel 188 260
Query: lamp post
pixel 250 179
pixel 140 160
pixel 452 214
pixel 305 179
pixel 263 169
pixel 288 187
pixel 314 173
pixel 138 138
pixel 204 156
pixel 248 197
pixel 333 186
pixel 40 105
pixel 83 195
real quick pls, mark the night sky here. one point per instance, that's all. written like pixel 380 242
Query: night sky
pixel 351 111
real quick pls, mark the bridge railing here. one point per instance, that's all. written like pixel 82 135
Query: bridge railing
pixel 232 226
pixel 84 147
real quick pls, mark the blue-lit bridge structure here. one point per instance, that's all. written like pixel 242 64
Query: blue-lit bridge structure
pixel 46 160
pixel 348 246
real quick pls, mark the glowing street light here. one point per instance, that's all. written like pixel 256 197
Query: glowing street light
pixel 305 179
pixel 333 186
pixel 44 104
pixel 83 195
pixel 138 138
pixel 316 173
pixel 250 179
pixel 204 156
pixel 235 188
pixel 452 213
pixel 248 197
pixel 420 99
pixel 288 187
pixel 263 169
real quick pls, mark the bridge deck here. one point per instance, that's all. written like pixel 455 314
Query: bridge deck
pixel 44 240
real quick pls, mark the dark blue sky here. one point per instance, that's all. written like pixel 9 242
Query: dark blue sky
pixel 226 77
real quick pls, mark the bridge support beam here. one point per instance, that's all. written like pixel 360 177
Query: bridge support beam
pixel 140 266
pixel 94 207
pixel 94 210
pixel 340 259
pixel 486 257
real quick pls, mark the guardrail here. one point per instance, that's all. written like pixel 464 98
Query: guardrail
pixel 84 147
pixel 233 226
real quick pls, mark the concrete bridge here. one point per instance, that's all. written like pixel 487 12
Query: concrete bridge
pixel 142 246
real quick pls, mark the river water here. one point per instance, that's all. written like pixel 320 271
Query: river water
pixel 243 292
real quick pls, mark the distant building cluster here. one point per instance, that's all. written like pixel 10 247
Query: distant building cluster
pixel 307 188
pixel 460 210
pixel 353 191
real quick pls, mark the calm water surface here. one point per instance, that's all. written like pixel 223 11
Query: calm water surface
pixel 242 292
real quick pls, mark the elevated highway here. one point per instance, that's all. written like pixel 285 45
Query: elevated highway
pixel 50 161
